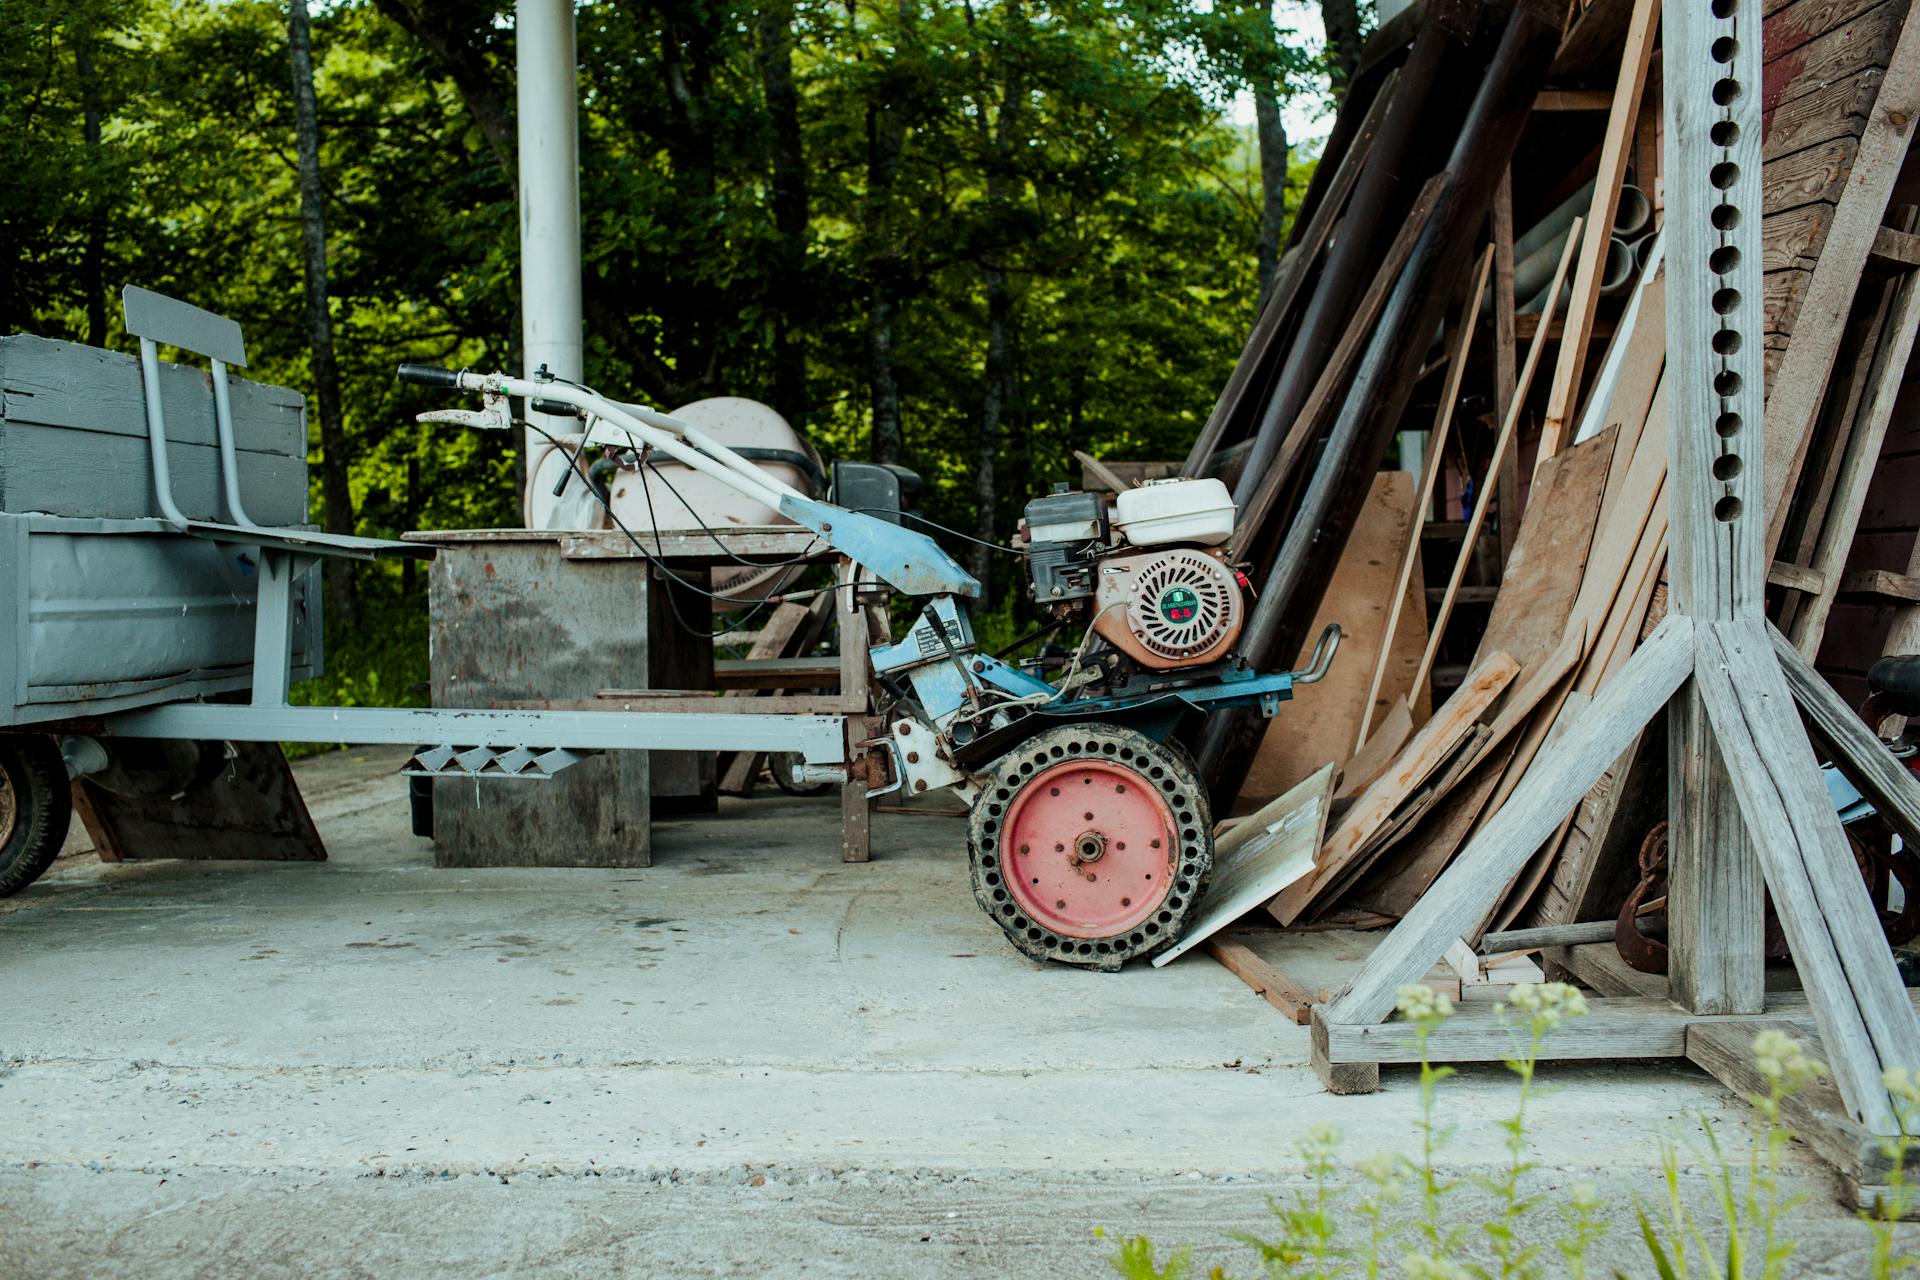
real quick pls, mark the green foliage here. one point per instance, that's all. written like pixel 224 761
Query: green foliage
pixel 152 143
pixel 1316 1238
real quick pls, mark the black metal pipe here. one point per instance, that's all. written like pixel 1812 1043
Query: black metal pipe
pixel 1394 171
pixel 1381 387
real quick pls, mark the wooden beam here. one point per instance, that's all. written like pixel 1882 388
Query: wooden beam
pixel 1838 946
pixel 1895 249
pixel 1275 987
pixel 1795 577
pixel 1572 100
pixel 1855 749
pixel 1858 463
pixel 1562 773
pixel 1487 488
pixel 1506 371
pixel 1801 381
pixel 1814 1112
pixel 1881 585
pixel 1642 26
pixel 1615 1027
pixel 1423 500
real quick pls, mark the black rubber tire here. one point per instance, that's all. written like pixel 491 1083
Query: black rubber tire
pixel 43 808
pixel 1190 863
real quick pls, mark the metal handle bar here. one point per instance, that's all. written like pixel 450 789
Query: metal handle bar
pixel 682 441
pixel 1322 659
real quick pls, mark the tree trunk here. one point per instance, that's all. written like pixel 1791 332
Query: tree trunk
pixel 487 95
pixel 993 403
pixel 1341 18
pixel 887 442
pixel 1272 131
pixel 886 139
pixel 336 497
pixel 93 261
pixel 787 173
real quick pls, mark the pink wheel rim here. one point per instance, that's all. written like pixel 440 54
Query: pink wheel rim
pixel 1088 849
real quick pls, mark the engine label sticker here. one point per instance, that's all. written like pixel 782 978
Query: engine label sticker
pixel 1178 604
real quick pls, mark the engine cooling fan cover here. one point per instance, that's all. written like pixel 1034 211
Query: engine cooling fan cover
pixel 1183 604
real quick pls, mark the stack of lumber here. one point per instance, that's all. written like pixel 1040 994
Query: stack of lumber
pixel 1573 470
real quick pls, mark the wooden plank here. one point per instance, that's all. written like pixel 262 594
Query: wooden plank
pixel 756 544
pixel 250 809
pixel 1500 445
pixel 1817 175
pixel 1866 41
pixel 93 391
pixel 1428 750
pixel 1808 362
pixel 1795 577
pixel 1396 882
pixel 1108 477
pixel 1642 27
pixel 1273 986
pixel 1372 759
pixel 40 471
pixel 1837 943
pixel 1527 883
pixel 1564 772
pixel 1855 750
pixel 775 673
pixel 1320 724
pixel 1506 371
pixel 1833 109
pixel 1869 432
pixel 1630 399
pixel 1572 100
pixel 1596 29
pixel 1601 966
pixel 791 630
pixel 1791 240
pixel 1881 585
pixel 1788 27
pixel 1615 1027
pixel 1814 1112
pixel 694 701
pixel 1258 859
pixel 1542 576
pixel 1896 250
pixel 1423 502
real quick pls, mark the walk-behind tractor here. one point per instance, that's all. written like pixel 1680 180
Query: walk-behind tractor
pixel 1089 833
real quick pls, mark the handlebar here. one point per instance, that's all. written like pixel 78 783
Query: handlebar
pixel 427 375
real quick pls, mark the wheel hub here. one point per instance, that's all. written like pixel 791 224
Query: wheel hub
pixel 1091 844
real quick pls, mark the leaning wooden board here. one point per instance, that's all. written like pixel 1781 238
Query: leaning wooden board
pixel 1320 723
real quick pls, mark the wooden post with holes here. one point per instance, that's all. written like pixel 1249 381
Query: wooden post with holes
pixel 1751 819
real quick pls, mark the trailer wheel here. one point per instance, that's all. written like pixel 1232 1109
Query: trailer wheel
pixel 35 809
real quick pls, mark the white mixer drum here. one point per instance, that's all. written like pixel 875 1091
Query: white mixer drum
pixel 753 429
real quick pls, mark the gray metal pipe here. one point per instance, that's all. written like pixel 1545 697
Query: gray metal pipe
pixel 1616 273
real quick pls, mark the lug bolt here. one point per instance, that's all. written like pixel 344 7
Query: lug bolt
pixel 913 757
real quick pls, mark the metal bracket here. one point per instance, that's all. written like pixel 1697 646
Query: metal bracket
pixel 534 763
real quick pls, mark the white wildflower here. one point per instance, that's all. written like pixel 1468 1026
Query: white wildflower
pixel 1420 1003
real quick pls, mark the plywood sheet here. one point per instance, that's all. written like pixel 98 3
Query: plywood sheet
pixel 1277 848
pixel 1320 724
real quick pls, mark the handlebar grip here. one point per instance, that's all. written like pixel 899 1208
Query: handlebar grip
pixel 427 375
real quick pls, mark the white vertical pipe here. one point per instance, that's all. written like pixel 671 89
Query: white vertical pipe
pixel 548 100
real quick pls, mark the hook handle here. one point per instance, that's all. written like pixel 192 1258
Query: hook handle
pixel 1322 659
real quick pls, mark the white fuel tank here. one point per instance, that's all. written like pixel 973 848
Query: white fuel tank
pixel 1163 511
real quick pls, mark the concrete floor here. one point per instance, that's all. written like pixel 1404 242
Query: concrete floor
pixel 749 1059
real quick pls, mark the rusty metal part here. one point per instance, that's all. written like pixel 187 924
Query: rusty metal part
pixel 1637 948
